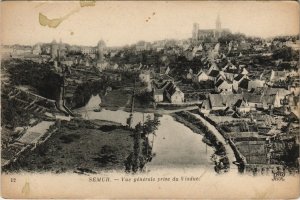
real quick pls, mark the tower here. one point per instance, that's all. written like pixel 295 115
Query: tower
pixel 195 31
pixel 54 49
pixel 100 47
pixel 218 27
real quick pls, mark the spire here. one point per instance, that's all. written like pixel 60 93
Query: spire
pixel 218 23
pixel 195 31
pixel 218 30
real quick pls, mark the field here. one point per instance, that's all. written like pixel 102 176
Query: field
pixel 87 147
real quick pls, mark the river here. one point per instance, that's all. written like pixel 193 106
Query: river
pixel 177 146
pixel 174 145
pixel 119 116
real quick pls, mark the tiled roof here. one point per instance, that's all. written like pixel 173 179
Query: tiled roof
pixel 239 77
pixel 244 84
pixel 220 81
pixel 218 100
pixel 214 73
pixel 252 98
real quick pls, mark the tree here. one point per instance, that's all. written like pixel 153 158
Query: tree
pixel 150 125
pixel 284 53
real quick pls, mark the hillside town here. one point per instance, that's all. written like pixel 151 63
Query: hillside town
pixel 240 93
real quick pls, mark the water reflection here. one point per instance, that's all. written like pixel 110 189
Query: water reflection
pixel 119 116
pixel 173 146
pixel 176 146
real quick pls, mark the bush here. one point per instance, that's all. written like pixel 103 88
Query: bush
pixel 69 138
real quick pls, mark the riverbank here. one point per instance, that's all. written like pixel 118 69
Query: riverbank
pixel 80 146
pixel 220 157
pixel 175 146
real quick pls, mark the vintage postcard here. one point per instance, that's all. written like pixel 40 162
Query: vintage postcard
pixel 150 99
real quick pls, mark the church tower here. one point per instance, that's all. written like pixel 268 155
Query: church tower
pixel 100 47
pixel 54 49
pixel 195 31
pixel 218 27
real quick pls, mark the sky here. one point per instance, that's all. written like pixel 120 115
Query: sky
pixel 121 23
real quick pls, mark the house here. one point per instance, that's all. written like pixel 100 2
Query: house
pixel 189 76
pixel 197 49
pixel 244 71
pixel 115 66
pixel 88 50
pixel 213 75
pixel 242 106
pixel 213 67
pixel 228 76
pixel 229 67
pixel 244 46
pixel 237 79
pixel 268 102
pixel 68 63
pixel 158 95
pixel 142 46
pixel 188 54
pixel 278 76
pixel 243 84
pixel 280 95
pixel 253 100
pixel 164 70
pixel 255 84
pixel 266 98
pixel 36 50
pixel 222 101
pixel 202 76
pixel 293 73
pixel 293 45
pixel 229 111
pixel 294 104
pixel 174 94
pixel 224 86
pixel 294 89
pixel 22 50
pixel 220 77
pixel 158 88
pixel 212 55
pixel 145 76
pixel 205 107
pixel 100 65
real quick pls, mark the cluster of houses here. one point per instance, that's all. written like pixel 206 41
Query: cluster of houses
pixel 237 91
pixel 265 98
pixel 167 90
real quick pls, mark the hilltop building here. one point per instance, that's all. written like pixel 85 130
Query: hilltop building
pixel 37 50
pixel 54 49
pixel 100 47
pixel 214 34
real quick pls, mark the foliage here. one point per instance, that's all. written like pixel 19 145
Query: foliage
pixel 291 155
pixel 150 126
pixel 38 76
pixel 283 53
pixel 12 114
pixel 85 90
pixel 144 98
pixel 69 138
pixel 231 37
pixel 107 155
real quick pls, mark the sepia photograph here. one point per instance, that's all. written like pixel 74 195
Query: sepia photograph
pixel 150 99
